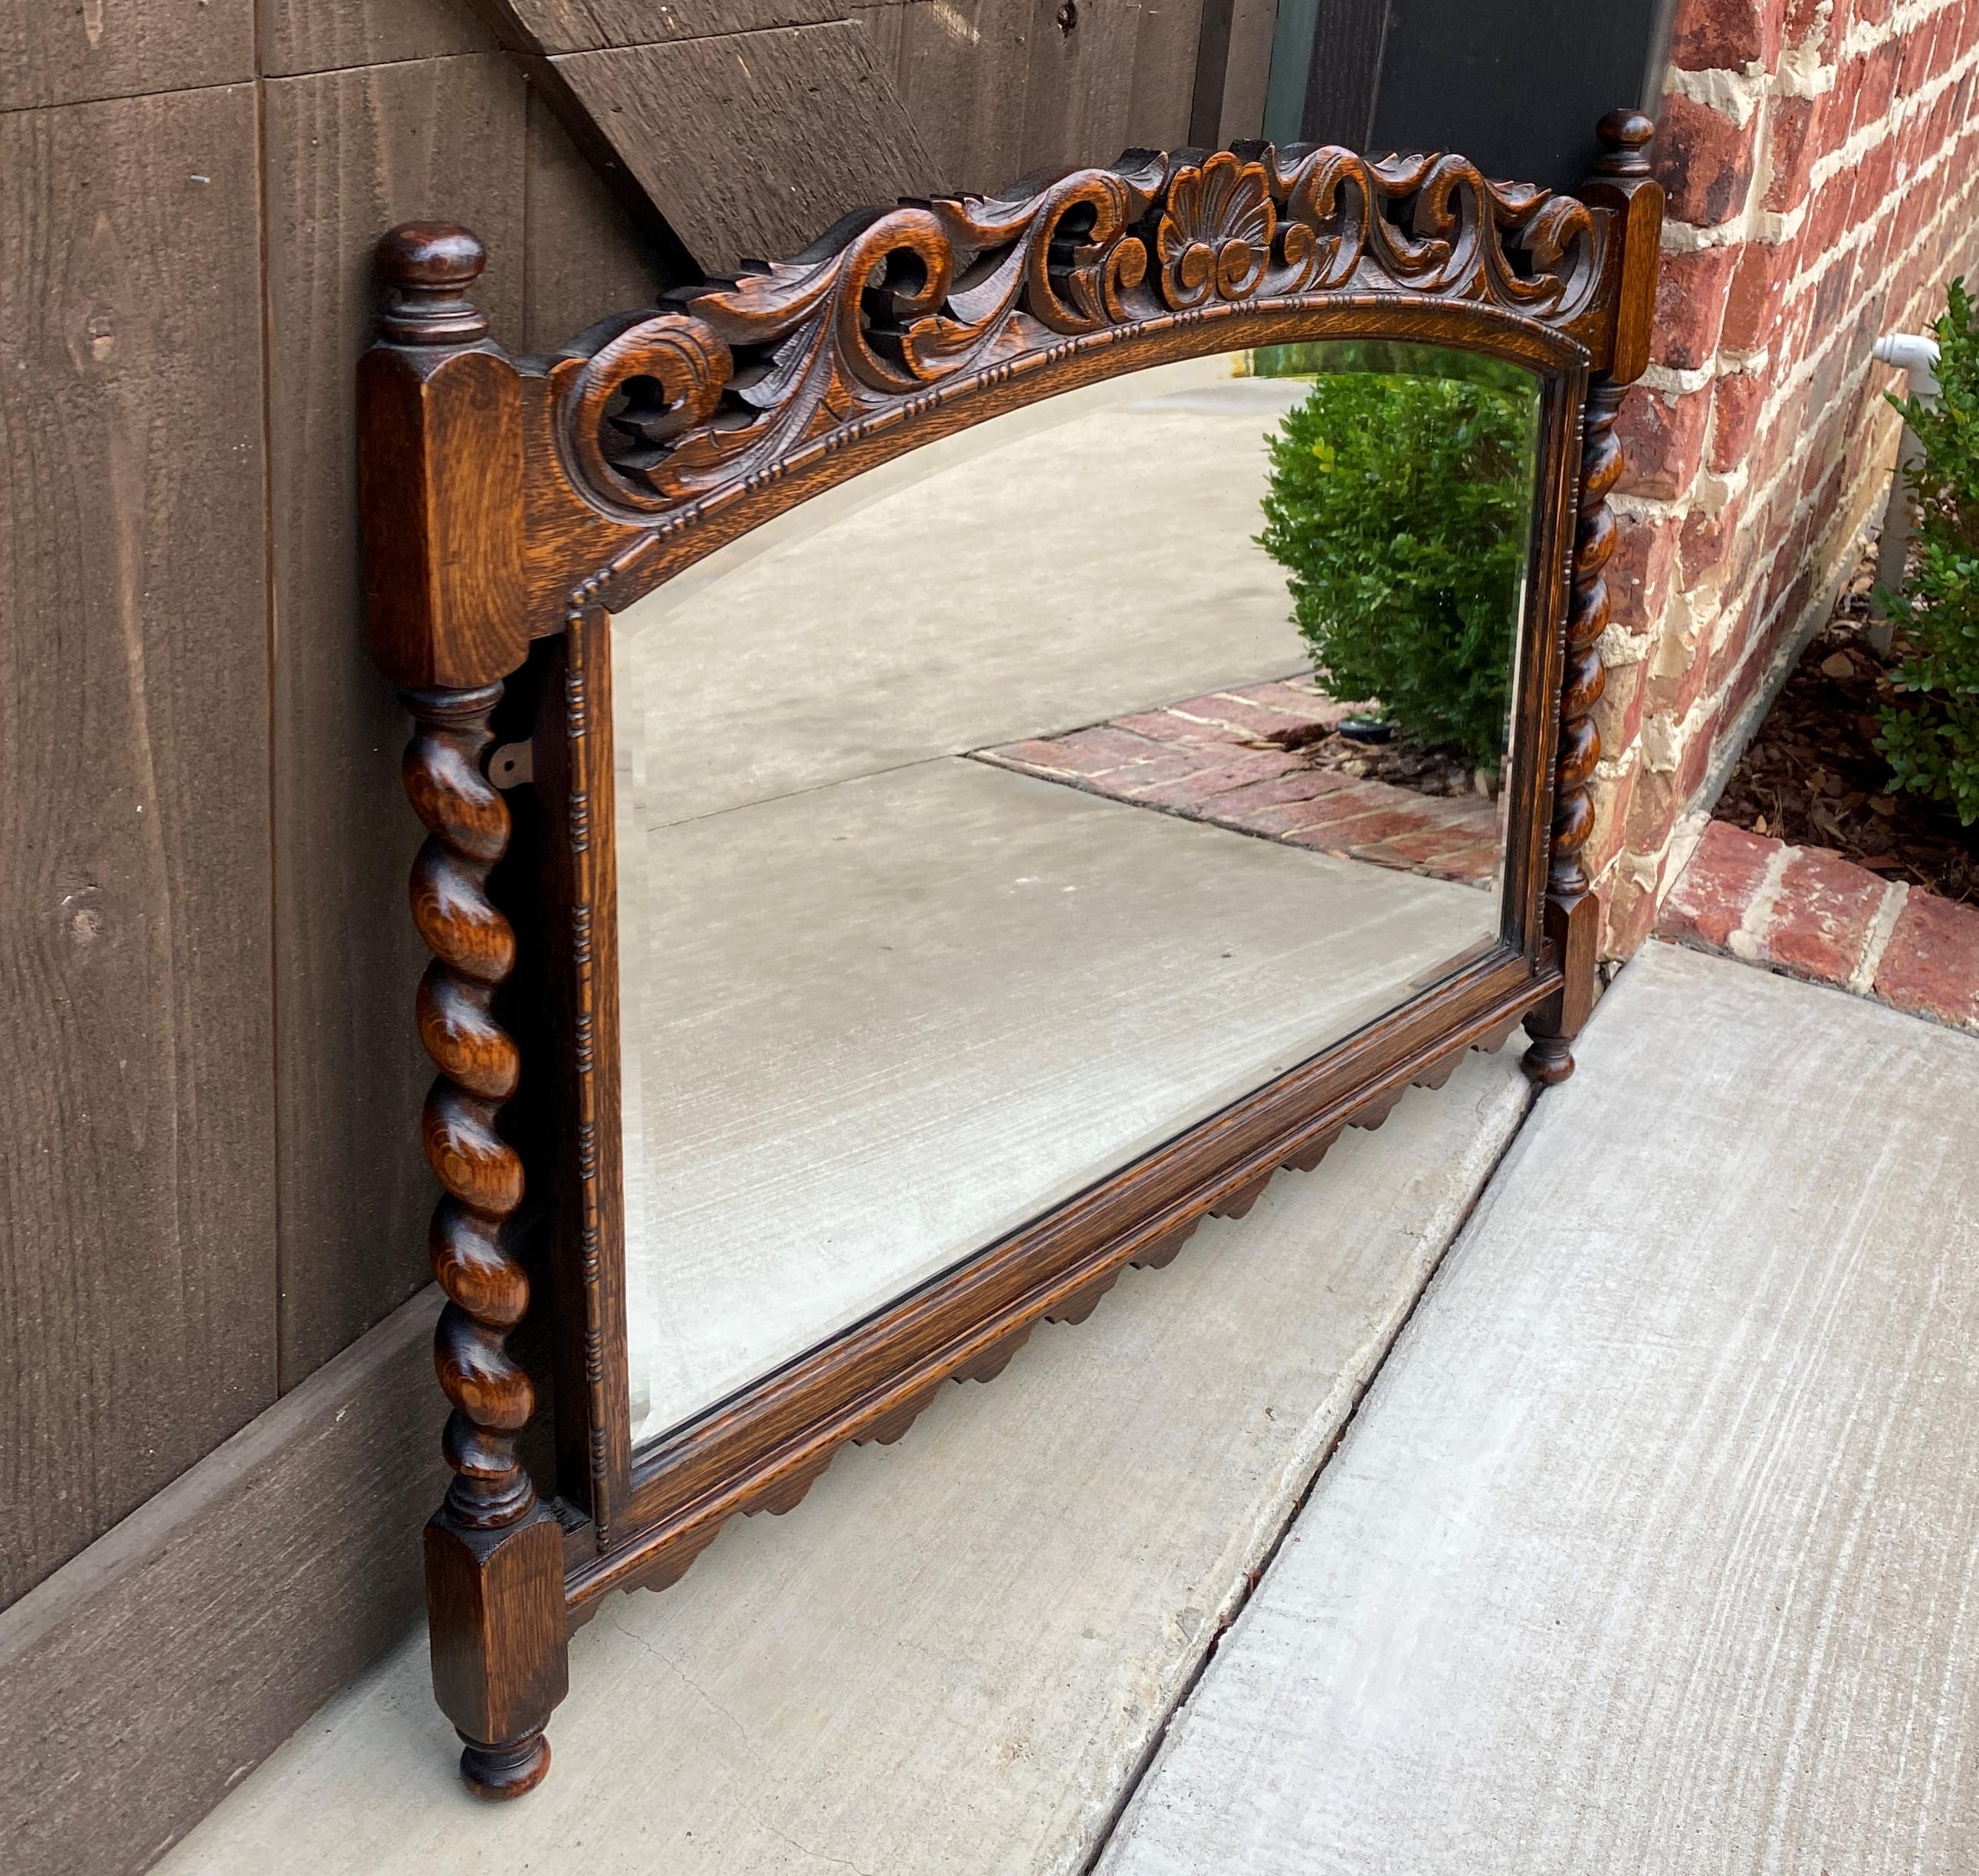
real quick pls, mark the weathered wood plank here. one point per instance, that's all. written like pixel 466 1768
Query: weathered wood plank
pixel 140 1681
pixel 1655 1544
pixel 1166 38
pixel 53 54
pixel 300 36
pixel 753 145
pixel 1344 72
pixel 1079 83
pixel 1247 65
pixel 596 25
pixel 349 154
pixel 585 256
pixel 882 20
pixel 964 68
pixel 1232 71
pixel 137 1238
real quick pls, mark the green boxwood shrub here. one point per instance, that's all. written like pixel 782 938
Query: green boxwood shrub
pixel 1399 505
pixel 1932 739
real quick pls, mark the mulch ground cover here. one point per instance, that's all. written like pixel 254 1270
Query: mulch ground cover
pixel 1812 777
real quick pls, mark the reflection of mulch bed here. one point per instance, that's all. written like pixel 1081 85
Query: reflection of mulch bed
pixel 1812 777
pixel 1263 759
pixel 1421 771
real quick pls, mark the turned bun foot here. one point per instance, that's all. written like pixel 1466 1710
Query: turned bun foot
pixel 1548 1061
pixel 499 1772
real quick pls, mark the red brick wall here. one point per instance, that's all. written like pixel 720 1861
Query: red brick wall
pixel 1821 158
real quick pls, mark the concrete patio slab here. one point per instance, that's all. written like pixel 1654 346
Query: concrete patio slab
pixel 1655 1548
pixel 870 1028
pixel 952 1655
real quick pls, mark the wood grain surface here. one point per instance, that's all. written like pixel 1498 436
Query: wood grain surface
pixel 299 36
pixel 1165 37
pixel 538 26
pixel 1079 82
pixel 1345 74
pixel 1004 88
pixel 585 253
pixel 753 145
pixel 140 1683
pixel 348 153
pixel 61 54
pixel 1245 72
pixel 963 70
pixel 137 1241
pixel 1654 1547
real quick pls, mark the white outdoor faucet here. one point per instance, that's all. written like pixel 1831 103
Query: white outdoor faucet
pixel 1916 353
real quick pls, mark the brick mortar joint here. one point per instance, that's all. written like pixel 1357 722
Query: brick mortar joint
pixel 1749 91
pixel 1804 368
pixel 1799 71
pixel 1731 600
pixel 1876 939
pixel 1832 561
pixel 1748 939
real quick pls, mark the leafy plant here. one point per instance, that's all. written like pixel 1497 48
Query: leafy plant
pixel 1399 504
pixel 1933 743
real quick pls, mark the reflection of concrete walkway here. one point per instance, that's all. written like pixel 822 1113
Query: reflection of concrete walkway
pixel 881 1005
pixel 885 1022
pixel 1089 556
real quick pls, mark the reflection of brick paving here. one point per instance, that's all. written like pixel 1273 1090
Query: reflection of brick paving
pixel 1206 760
pixel 1807 912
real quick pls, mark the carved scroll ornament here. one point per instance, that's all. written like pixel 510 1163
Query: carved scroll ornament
pixel 750 369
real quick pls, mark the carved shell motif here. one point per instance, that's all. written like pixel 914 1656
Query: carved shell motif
pixel 747 376
pixel 1215 232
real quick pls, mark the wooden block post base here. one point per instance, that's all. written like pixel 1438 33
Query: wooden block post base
pixel 495 1600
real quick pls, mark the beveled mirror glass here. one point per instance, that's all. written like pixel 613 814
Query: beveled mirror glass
pixel 987 820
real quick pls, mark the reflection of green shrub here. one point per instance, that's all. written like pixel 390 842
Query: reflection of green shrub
pixel 1399 506
pixel 1933 745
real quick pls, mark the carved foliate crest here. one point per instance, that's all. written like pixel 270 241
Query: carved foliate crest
pixel 739 375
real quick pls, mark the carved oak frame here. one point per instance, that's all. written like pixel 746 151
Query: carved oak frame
pixel 508 502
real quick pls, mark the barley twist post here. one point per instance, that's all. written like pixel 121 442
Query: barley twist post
pixel 1623 187
pixel 438 406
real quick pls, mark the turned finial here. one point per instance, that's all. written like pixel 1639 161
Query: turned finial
pixel 426 268
pixel 1625 136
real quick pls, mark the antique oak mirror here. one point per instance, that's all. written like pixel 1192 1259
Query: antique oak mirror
pixel 947 760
